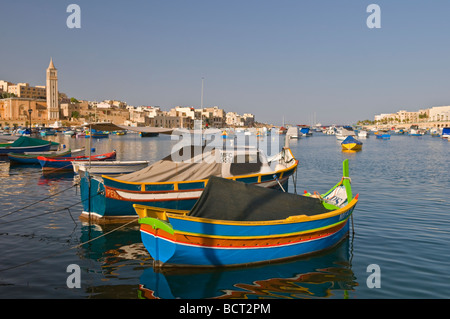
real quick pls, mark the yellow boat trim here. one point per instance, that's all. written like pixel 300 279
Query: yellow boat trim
pixel 264 236
pixel 291 219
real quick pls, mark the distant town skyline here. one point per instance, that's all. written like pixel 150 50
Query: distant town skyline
pixel 292 60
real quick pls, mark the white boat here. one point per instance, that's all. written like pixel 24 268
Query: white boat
pixel 108 167
pixel 343 132
pixel 363 134
pixel 330 131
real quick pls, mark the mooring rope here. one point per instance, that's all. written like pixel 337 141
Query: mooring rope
pixel 73 247
pixel 39 201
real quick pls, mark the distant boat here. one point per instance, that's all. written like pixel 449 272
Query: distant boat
pixel 25 144
pixel 351 144
pixel 31 158
pixel 65 163
pixel 235 224
pixel 345 131
pixel 96 134
pixel 446 133
pixel 415 131
pixel 108 167
pixel 363 134
pixel 148 134
pixel 383 136
pixel 47 132
pixel 305 131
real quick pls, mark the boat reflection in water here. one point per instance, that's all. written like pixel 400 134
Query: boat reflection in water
pixel 324 275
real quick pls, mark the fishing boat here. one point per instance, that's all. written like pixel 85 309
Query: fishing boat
pixel 383 136
pixel 234 224
pixel 148 134
pixel 363 134
pixel 25 144
pixel 177 184
pixel 96 134
pixel 351 144
pixel 446 133
pixel 415 131
pixel 47 132
pixel 108 167
pixel 54 164
pixel 343 132
pixel 305 131
pixel 31 158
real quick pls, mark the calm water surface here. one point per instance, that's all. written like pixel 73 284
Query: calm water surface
pixel 401 224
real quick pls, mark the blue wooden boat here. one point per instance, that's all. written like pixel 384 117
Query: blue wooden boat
pixel 148 134
pixel 96 134
pixel 234 224
pixel 31 158
pixel 56 164
pixel 47 132
pixel 446 132
pixel 382 136
pixel 25 144
pixel 174 184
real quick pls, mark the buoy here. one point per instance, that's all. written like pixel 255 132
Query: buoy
pixel 93 149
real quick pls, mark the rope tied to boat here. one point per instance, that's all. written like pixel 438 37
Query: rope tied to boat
pixel 346 178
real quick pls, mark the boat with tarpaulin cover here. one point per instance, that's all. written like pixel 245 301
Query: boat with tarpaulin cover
pixel 234 224
pixel 177 184
pixel 351 144
pixel 26 144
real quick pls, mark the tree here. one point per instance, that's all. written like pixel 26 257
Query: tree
pixel 75 114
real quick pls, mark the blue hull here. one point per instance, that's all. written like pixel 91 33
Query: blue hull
pixel 40 148
pixel 169 252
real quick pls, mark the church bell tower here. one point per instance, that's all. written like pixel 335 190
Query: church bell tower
pixel 52 92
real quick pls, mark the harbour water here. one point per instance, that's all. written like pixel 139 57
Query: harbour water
pixel 401 224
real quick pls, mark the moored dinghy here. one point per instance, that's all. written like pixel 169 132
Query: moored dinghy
pixel 31 158
pixel 108 167
pixel 56 164
pixel 351 144
pixel 26 144
pixel 235 224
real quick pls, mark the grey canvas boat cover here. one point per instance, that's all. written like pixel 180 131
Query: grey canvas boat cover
pixel 169 169
pixel 225 199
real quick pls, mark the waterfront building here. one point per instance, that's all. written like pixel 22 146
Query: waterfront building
pixel 15 109
pixel 439 113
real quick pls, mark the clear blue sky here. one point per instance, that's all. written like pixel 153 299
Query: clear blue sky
pixel 275 59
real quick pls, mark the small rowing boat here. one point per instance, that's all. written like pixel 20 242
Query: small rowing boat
pixel 31 158
pixel 108 167
pixel 65 163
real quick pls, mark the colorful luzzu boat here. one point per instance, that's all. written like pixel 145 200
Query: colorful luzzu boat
pixel 235 224
pixel 351 144
pixel 172 184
